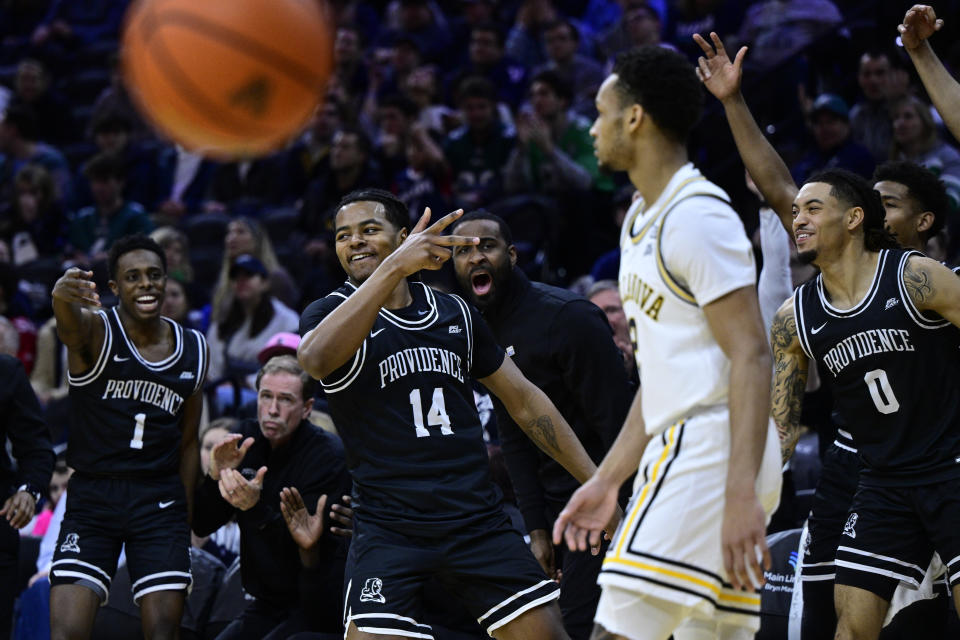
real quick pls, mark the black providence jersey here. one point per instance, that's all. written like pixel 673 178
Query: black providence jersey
pixel 128 410
pixel 894 373
pixel 404 407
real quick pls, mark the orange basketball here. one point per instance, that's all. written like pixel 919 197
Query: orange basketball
pixel 227 78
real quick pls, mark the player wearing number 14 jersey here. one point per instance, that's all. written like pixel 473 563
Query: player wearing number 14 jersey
pixel 395 358
pixel 135 387
pixel 882 322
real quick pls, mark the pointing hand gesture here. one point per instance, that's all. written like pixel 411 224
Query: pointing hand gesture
pixel 720 76
pixel 76 286
pixel 427 247
pixel 919 23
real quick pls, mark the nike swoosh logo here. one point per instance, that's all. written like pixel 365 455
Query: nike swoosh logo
pixel 373 334
pixel 164 505
pixel 117 358
pixel 816 330
pixel 423 312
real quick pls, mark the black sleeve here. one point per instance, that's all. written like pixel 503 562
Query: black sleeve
pixel 487 354
pixel 28 433
pixel 593 373
pixel 523 464
pixel 210 510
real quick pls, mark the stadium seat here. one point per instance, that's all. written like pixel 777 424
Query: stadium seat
pixel 206 230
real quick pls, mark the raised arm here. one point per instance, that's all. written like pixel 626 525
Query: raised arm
pixel 722 78
pixel 790 365
pixel 77 326
pixel 336 339
pixel 919 23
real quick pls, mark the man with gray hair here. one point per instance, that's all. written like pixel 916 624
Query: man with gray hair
pixel 265 474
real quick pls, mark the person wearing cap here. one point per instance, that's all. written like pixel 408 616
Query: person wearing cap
pixel 835 147
pixel 279 476
pixel 254 316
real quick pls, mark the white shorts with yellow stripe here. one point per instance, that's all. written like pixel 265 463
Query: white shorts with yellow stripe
pixel 668 545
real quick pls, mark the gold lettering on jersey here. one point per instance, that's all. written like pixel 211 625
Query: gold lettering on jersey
pixel 144 391
pixel 863 344
pixel 420 359
pixel 647 298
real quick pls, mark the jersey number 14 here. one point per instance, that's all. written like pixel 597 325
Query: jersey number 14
pixel 436 416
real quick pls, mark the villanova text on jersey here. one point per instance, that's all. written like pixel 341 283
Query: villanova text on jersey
pixel 892 370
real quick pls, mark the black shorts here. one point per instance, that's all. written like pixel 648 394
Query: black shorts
pixel 839 477
pixel 891 534
pixel 489 569
pixel 146 517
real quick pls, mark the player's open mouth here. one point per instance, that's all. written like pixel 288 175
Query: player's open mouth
pixel 147 304
pixel 481 282
pixel 360 256
pixel 802 236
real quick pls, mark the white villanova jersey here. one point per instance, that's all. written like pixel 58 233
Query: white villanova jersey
pixel 687 249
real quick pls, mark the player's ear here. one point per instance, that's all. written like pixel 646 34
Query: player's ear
pixel 512 250
pixel 634 117
pixel 307 408
pixel 113 287
pixel 925 221
pixel 854 217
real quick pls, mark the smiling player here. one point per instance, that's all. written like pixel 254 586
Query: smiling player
pixel 135 386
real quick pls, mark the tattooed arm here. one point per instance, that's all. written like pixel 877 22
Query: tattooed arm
pixel 933 287
pixel 790 365
pixel 533 412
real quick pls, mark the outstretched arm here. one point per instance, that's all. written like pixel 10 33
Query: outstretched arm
pixel 722 78
pixel 589 509
pixel 338 336
pixel 919 23
pixel 77 327
pixel 533 412
pixel 790 366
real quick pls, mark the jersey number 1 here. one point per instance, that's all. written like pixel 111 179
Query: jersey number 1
pixel 880 390
pixel 137 442
pixel 436 417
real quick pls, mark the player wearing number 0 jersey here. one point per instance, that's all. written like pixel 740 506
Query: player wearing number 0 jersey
pixel 881 322
pixel 135 386
pixel 396 358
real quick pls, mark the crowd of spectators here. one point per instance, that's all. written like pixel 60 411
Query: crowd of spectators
pixel 447 103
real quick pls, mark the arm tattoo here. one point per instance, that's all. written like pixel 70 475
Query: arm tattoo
pixel 542 431
pixel 917 281
pixel 789 382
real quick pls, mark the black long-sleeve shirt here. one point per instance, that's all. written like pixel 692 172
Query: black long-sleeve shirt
pixel 23 424
pixel 564 345
pixel 313 461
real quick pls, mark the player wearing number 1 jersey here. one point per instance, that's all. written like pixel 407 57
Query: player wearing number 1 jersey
pixel 135 387
pixel 395 358
pixel 882 322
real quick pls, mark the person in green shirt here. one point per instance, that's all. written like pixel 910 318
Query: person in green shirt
pixel 554 152
pixel 94 229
